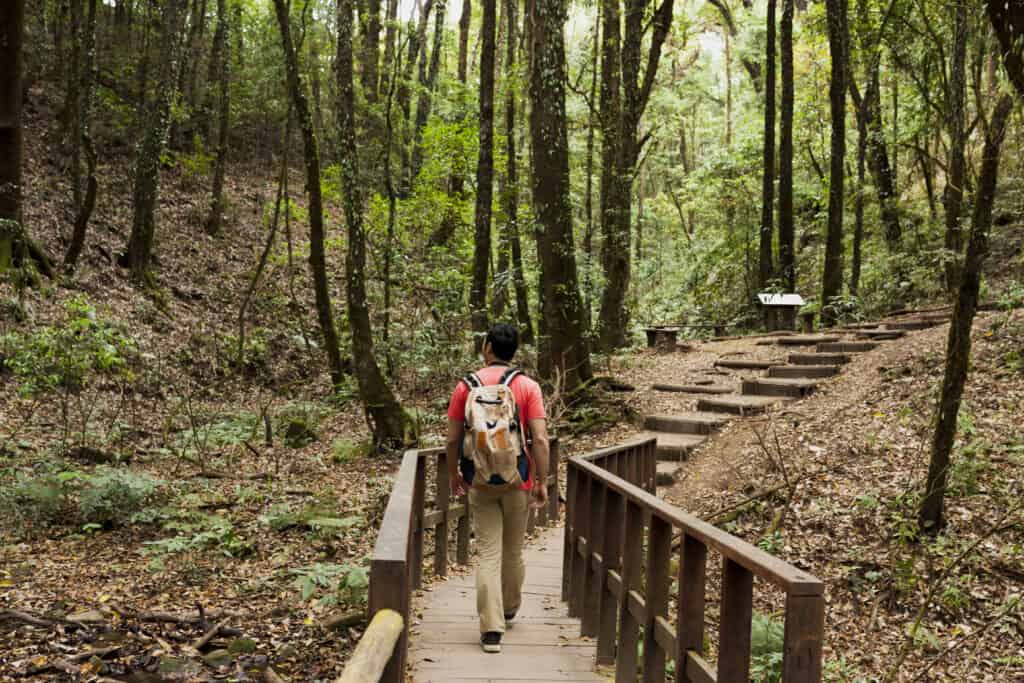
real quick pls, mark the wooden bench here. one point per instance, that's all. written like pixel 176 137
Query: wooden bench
pixel 620 541
pixel 662 337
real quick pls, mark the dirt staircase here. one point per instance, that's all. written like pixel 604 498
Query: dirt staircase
pixel 793 379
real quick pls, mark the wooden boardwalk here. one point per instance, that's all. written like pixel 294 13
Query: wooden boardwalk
pixel 542 644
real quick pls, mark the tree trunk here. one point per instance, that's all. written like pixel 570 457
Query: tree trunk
pixel 390 30
pixel 858 207
pixel 588 201
pixel 84 133
pixel 73 103
pixel 369 75
pixel 311 153
pixel 615 241
pixel 464 20
pixel 931 518
pixel 878 163
pixel 384 414
pixel 766 267
pixel 832 278
pixel 428 79
pixel 752 68
pixel 220 39
pixel 1008 22
pixel 484 171
pixel 616 209
pixel 12 20
pixel 562 310
pixel 151 148
pixel 953 198
pixel 417 45
pixel 787 253
pixel 728 92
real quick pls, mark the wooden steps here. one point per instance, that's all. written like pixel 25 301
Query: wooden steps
pixel 685 423
pixel 744 364
pixel 846 347
pixel 737 405
pixel 693 388
pixel 673 446
pixel 818 359
pixel 802 371
pixel 807 339
pixel 881 334
pixel 786 388
pixel 910 325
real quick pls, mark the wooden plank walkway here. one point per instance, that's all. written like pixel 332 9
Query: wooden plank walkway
pixel 542 644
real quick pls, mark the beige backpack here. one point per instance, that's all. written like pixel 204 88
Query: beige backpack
pixel 493 438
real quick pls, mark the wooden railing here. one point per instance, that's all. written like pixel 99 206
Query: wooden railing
pixel 617 579
pixel 396 566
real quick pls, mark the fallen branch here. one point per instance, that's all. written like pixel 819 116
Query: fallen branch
pixel 101 653
pixel 15 615
pixel 345 619
pixel 966 639
pixel 204 640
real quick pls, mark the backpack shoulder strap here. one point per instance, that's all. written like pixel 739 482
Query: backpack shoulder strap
pixel 509 376
pixel 472 381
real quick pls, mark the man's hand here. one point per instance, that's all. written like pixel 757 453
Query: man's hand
pixel 539 494
pixel 457 485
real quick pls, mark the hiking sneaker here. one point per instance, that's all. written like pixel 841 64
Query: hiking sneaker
pixel 509 616
pixel 491 641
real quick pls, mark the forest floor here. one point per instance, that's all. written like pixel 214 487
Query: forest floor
pixel 848 464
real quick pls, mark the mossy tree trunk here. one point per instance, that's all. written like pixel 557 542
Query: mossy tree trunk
pixel 931 517
pixel 832 278
pixel 12 19
pixel 953 196
pixel 220 52
pixel 766 266
pixel 386 417
pixel 484 171
pixel 311 154
pixel 84 134
pixel 787 252
pixel 568 354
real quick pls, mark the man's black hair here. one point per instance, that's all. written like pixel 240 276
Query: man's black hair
pixel 504 341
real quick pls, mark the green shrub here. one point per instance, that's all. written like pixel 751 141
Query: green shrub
pixel 766 648
pixel 336 582
pixel 112 496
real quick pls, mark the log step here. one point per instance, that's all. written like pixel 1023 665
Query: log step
pixel 737 405
pixel 788 388
pixel 846 347
pixel 807 339
pixel 667 473
pixel 685 423
pixel 881 334
pixel 803 371
pixel 920 324
pixel 744 364
pixel 674 446
pixel 693 388
pixel 818 359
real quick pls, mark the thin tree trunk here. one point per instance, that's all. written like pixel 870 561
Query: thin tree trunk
pixel 369 76
pixel 484 171
pixel 385 415
pixel 84 132
pixel 931 518
pixel 954 193
pixel 220 39
pixel 151 148
pixel 615 245
pixel 464 20
pixel 562 309
pixel 390 32
pixel 12 21
pixel 728 92
pixel 766 266
pixel 787 253
pixel 417 45
pixel 311 153
pixel 588 202
pixel 832 278
pixel 858 208
pixel 428 79
pixel 73 104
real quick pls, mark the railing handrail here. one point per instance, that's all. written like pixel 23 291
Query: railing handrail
pixel 395 527
pixel 791 579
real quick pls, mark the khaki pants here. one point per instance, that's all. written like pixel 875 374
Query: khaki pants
pixel 500 522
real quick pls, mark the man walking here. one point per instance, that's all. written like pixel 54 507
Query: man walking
pixel 499 494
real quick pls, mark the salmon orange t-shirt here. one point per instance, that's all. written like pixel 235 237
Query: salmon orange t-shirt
pixel 526 392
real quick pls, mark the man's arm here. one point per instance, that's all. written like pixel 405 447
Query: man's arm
pixel 541 453
pixel 455 432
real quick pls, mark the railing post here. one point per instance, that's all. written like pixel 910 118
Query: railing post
pixel 595 541
pixel 651 459
pixel 569 546
pixel 581 532
pixel 659 548
pixel 389 589
pixel 734 626
pixel 626 664
pixel 690 624
pixel 442 501
pixel 419 491
pixel 805 623
pixel 611 551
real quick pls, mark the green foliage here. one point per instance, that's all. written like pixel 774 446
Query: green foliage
pixel 335 583
pixel 113 495
pixel 766 648
pixel 196 532
pixel 322 515
pixel 197 166
pixel 349 450
pixel 66 356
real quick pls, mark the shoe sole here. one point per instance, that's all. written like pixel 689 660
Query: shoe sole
pixel 493 649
